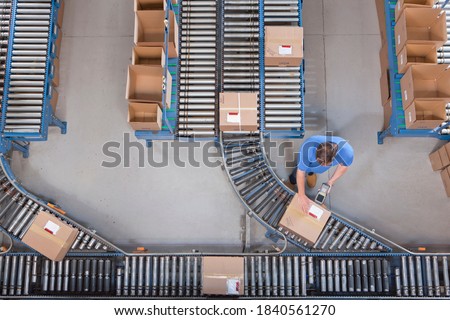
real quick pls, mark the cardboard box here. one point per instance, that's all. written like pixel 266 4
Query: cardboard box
pixel 145 84
pixel 412 54
pixel 61 14
pixel 384 57
pixel 222 275
pixel 381 19
pixel 402 4
pixel 425 82
pixel 151 56
pixel 149 30
pixel 283 46
pixel 144 116
pixel 440 158
pixel 387 113
pixel 149 5
pixel 445 175
pixel 425 114
pixel 421 26
pixel 307 226
pixel 57 44
pixel 238 111
pixel 54 97
pixel 50 236
pixel 55 72
pixel 385 87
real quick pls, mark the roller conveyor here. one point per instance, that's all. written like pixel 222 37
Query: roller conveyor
pixel 266 198
pixel 198 76
pixel 30 65
pixel 265 276
pixel 283 105
pixel 18 209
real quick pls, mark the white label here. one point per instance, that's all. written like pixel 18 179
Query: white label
pixel 234 117
pixel 51 227
pixel 233 286
pixel 410 116
pixel 405 94
pixel 401 59
pixel 285 50
pixel 315 212
pixel 398 5
pixel 398 39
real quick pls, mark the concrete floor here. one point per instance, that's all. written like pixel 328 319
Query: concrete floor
pixel 390 188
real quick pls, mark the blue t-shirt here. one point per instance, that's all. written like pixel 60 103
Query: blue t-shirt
pixel 307 160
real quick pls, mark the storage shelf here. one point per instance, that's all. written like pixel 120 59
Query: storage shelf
pixel 397 127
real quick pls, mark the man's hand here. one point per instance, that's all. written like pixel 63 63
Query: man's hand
pixel 304 203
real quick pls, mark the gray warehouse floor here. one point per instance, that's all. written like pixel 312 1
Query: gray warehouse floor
pixel 390 188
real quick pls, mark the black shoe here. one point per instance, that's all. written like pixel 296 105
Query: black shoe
pixel 293 179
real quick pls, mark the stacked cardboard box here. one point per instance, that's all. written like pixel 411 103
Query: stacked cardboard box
pixel 147 76
pixel 419 30
pixel 440 161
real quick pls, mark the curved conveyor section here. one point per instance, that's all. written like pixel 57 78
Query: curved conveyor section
pixel 266 199
pixel 18 208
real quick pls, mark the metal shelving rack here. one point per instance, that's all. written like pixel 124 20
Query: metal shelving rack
pixel 20 139
pixel 397 126
pixel 169 113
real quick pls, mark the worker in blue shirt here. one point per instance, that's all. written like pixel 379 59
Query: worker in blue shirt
pixel 319 154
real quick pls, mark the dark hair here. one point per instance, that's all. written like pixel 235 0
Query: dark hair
pixel 326 152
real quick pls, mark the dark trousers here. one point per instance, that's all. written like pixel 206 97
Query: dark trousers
pixel 293 176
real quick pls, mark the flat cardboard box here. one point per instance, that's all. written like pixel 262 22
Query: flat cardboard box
pixel 144 116
pixel 385 88
pixel 440 158
pixel 54 97
pixel 55 80
pixel 145 84
pixel 50 236
pixel 283 46
pixel 421 26
pixel 425 82
pixel 384 58
pixel 149 30
pixel 307 226
pixel 57 44
pixel 445 175
pixel 223 276
pixel 149 5
pixel 402 4
pixel 425 114
pixel 412 54
pixel 238 111
pixel 61 14
pixel 381 19
pixel 387 113
pixel 151 56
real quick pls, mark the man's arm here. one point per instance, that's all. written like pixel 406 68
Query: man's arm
pixel 305 202
pixel 340 171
